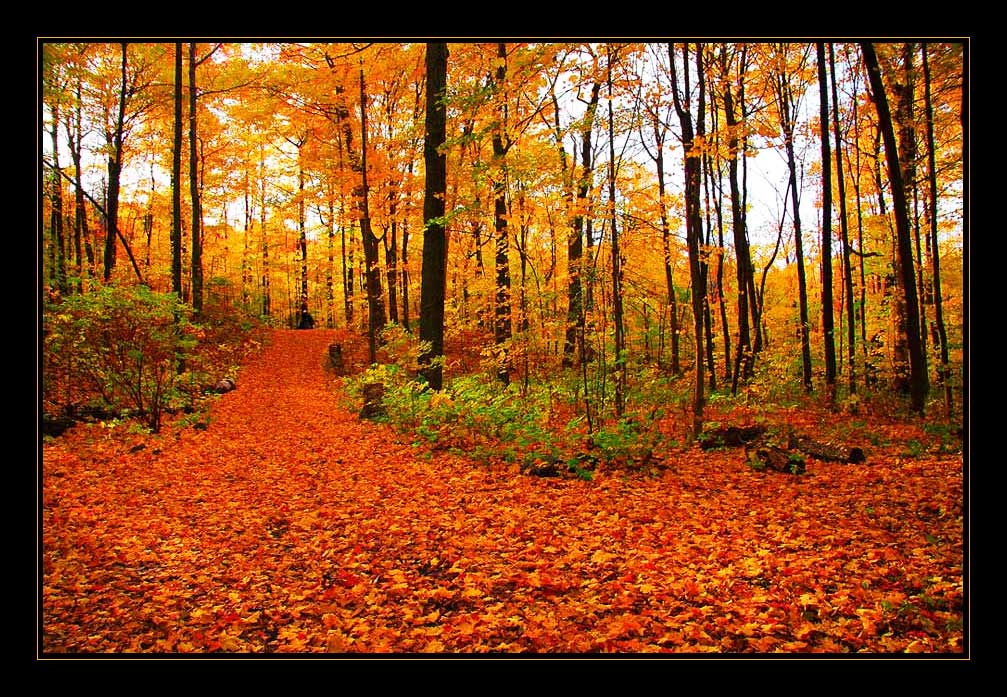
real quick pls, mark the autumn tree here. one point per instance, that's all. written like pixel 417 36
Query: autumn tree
pixel 788 108
pixel 944 374
pixel 434 276
pixel 828 322
pixel 575 240
pixel 502 325
pixel 176 179
pixel 730 57
pixel 851 331
pixel 693 216
pixel 917 364
pixel 656 124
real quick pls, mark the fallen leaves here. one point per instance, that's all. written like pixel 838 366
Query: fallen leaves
pixel 289 526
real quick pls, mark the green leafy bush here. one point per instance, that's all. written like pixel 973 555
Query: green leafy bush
pixel 124 345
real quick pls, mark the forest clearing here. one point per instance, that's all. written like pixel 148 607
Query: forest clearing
pixel 503 347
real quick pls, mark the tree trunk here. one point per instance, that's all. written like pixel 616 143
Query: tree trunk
pixel 56 217
pixel 744 355
pixel 851 329
pixel 576 311
pixel 81 234
pixel 669 281
pixel 917 362
pixel 785 105
pixel 828 322
pixel 620 341
pixel 944 373
pixel 196 272
pixel 375 305
pixel 391 265
pixel 266 299
pixel 434 277
pixel 114 169
pixel 246 262
pixel 694 222
pixel 302 239
pixel 502 327
pixel 176 180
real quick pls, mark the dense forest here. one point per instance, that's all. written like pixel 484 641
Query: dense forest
pixel 734 211
pixel 541 346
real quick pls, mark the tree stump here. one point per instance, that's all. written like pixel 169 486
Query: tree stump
pixel 374 406
pixel 336 358
pixel 306 321
pixel 225 385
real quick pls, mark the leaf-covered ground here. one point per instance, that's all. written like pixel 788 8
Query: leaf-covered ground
pixel 288 525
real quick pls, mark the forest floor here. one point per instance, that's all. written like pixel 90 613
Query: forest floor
pixel 289 525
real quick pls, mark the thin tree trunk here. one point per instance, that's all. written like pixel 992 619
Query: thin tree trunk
pixel 266 299
pixel 672 301
pixel 744 356
pixel 375 305
pixel 576 314
pixel 246 265
pixel 620 341
pixel 196 272
pixel 828 321
pixel 81 232
pixel 851 329
pixel 176 180
pixel 944 372
pixel 114 169
pixel 785 103
pixel 694 223
pixel 56 217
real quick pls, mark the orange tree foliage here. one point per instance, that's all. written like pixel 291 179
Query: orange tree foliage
pixel 287 525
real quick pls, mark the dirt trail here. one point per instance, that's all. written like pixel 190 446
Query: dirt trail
pixel 289 526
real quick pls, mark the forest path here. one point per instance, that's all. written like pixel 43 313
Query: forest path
pixel 288 525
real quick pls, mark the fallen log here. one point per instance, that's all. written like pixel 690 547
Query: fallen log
pixel 825 452
pixel 730 436
pixel 776 460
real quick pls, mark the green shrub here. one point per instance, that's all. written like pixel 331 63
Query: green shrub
pixel 123 344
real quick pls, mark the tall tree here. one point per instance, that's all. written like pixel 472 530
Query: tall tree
pixel 576 311
pixel 944 373
pixel 918 383
pixel 375 305
pixel 176 180
pixel 693 216
pixel 114 141
pixel 620 340
pixel 56 217
pixel 502 326
pixel 787 110
pixel 851 329
pixel 658 125
pixel 196 269
pixel 75 137
pixel 828 322
pixel 434 273
pixel 744 270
